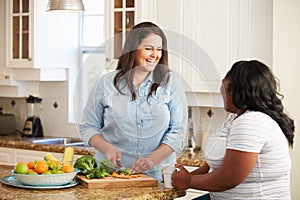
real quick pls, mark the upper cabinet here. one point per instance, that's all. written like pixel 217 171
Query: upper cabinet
pixel 121 17
pixel 205 37
pixel 36 39
pixel 19 35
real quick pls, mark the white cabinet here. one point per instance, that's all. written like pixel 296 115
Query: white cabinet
pixel 23 155
pixel 120 18
pixel 6 156
pixel 40 41
pixel 205 37
pixel 11 156
pixel 19 37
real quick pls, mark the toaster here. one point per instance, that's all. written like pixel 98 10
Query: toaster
pixel 7 124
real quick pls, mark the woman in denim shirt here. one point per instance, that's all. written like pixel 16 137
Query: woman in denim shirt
pixel 138 113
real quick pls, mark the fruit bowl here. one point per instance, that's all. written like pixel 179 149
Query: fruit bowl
pixel 46 179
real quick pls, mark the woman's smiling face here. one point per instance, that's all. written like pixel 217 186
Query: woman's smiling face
pixel 149 53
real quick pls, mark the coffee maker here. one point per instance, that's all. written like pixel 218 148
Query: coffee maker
pixel 33 125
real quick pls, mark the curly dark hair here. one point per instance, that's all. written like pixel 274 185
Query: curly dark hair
pixel 126 62
pixel 254 87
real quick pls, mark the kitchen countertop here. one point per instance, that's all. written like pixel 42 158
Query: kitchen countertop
pixel 187 157
pixel 79 192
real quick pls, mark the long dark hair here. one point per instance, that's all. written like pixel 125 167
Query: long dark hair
pixel 254 87
pixel 126 62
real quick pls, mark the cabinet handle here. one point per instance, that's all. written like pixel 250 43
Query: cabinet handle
pixel 29 59
pixel 108 59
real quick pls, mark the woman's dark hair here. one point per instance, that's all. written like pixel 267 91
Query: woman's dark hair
pixel 126 62
pixel 254 87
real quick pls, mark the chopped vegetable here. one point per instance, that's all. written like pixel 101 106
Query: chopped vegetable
pixel 99 172
pixel 127 171
pixel 124 176
pixel 85 163
pixel 88 166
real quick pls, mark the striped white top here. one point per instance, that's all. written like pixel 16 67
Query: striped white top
pixel 253 132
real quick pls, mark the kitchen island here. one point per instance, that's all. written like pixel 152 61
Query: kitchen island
pixel 79 192
pixel 16 142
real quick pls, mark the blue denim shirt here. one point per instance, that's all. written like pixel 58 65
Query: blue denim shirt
pixel 137 128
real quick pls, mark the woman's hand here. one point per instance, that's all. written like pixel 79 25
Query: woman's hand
pixel 141 165
pixel 113 155
pixel 181 178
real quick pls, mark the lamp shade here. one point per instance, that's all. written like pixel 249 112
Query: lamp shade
pixel 65 5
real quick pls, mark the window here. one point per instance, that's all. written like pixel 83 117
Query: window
pixel 92 51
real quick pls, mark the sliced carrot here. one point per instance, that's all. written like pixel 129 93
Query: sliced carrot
pixel 116 175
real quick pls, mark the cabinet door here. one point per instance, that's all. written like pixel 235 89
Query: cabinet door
pixel 6 156
pixel 121 17
pixel 19 33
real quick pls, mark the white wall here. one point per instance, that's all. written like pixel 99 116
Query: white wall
pixel 286 63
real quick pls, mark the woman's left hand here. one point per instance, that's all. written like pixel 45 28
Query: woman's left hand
pixel 181 178
pixel 141 165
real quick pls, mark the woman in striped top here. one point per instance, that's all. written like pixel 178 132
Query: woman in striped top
pixel 248 157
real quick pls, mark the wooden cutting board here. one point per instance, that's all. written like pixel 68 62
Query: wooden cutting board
pixel 111 182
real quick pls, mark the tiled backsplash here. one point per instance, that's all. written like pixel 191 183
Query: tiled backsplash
pixel 16 106
pixel 54 113
pixel 205 121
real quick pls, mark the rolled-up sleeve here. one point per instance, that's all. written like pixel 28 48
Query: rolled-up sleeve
pixel 92 117
pixel 175 136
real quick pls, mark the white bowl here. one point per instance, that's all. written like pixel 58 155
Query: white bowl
pixel 47 179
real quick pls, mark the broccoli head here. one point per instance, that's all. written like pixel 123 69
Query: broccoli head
pixel 85 163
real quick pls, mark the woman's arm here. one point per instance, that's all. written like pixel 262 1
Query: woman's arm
pixel 235 168
pixel 201 170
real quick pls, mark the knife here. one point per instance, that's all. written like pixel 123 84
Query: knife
pixel 120 166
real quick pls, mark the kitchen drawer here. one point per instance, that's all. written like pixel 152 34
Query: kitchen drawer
pixel 6 156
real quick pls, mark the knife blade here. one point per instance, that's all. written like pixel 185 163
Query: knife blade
pixel 120 166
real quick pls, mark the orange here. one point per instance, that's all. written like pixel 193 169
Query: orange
pixel 41 167
pixel 30 165
pixel 68 168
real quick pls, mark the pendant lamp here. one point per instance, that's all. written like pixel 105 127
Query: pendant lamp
pixel 65 5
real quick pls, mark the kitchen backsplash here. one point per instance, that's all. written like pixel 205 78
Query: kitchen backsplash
pixel 54 114
pixel 16 106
